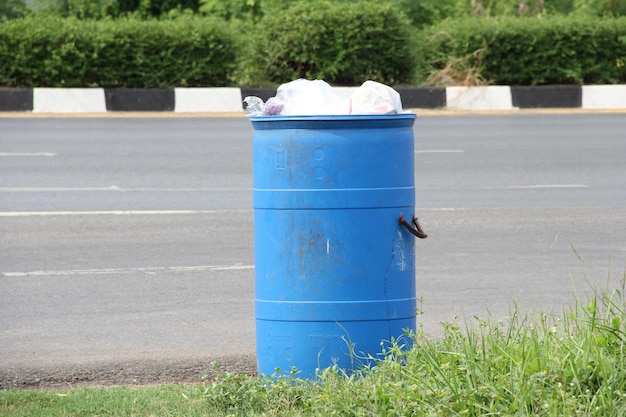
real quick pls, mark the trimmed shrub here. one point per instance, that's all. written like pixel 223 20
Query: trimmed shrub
pixel 57 52
pixel 524 51
pixel 342 43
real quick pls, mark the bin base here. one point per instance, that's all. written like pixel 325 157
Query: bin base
pixel 307 348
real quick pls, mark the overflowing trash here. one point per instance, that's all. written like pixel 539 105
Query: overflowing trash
pixel 316 97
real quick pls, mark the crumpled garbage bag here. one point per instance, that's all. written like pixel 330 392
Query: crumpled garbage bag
pixel 254 106
pixel 316 97
pixel 303 97
pixel 375 98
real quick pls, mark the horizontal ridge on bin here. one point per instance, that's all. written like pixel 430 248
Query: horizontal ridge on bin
pixel 362 310
pixel 334 198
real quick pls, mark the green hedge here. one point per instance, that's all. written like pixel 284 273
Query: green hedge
pixel 56 52
pixel 342 43
pixel 524 51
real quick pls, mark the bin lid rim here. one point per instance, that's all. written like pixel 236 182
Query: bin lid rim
pixel 339 117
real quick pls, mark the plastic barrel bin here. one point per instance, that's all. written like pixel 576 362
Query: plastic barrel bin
pixel 335 269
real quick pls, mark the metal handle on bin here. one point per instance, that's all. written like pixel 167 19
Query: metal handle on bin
pixel 416 229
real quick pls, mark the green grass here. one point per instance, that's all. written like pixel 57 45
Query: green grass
pixel 534 364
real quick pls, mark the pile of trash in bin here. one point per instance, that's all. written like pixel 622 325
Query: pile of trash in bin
pixel 316 97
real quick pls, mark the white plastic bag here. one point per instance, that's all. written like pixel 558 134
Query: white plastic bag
pixel 375 98
pixel 316 97
pixel 254 106
pixel 303 97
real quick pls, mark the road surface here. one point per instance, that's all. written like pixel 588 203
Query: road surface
pixel 126 248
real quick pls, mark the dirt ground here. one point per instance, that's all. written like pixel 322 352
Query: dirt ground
pixel 123 374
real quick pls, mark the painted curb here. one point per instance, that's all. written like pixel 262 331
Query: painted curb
pixel 130 99
pixel 604 97
pixel 479 98
pixel 546 97
pixel 207 100
pixel 16 99
pixel 68 100
pixel 229 99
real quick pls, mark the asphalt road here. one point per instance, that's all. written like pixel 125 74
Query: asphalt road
pixel 126 247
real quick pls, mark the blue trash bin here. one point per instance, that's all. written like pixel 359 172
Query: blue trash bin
pixel 335 269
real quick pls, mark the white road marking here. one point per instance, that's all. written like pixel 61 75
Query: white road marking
pixel 539 186
pixel 46 154
pixel 55 189
pixel 446 209
pixel 147 270
pixel 112 212
pixel 109 188
pixel 439 151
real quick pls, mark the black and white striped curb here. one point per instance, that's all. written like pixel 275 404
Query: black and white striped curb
pixel 229 99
